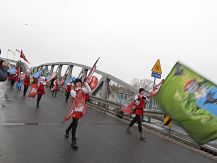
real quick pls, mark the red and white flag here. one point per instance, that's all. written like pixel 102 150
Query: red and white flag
pixel 156 89
pixel 89 76
pixel 22 55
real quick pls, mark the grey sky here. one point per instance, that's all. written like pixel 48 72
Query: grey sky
pixel 128 35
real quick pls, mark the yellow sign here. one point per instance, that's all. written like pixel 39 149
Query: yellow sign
pixel 168 121
pixel 157 67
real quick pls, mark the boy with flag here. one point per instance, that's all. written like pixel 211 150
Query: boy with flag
pixel 139 103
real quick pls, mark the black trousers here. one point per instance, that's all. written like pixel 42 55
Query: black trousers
pixel 54 93
pixel 73 126
pixel 67 96
pixel 137 119
pixel 25 90
pixel 39 98
pixel 12 83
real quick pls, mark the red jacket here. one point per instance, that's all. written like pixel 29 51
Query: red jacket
pixel 141 106
pixel 68 88
pixel 27 80
pixel 40 90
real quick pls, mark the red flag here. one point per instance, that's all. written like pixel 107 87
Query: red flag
pixel 156 89
pixel 79 101
pixel 129 109
pixel 23 56
pixel 89 76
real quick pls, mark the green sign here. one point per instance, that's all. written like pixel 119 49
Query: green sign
pixel 191 101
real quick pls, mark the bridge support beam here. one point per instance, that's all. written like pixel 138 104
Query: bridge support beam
pixel 59 69
pixel 105 88
pixel 69 74
pixel 51 69
pixel 84 74
pixel 45 71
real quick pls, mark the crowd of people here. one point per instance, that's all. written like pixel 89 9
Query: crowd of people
pixel 79 91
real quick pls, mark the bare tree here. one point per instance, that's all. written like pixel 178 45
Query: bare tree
pixel 147 84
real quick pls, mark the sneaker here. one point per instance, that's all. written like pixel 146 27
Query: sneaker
pixel 128 130
pixel 66 135
pixel 74 145
pixel 142 137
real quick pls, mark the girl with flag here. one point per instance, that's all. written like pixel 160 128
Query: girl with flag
pixel 78 108
pixel 55 88
pixel 40 90
pixel 26 82
pixel 68 90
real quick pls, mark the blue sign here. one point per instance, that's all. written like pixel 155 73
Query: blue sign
pixel 156 75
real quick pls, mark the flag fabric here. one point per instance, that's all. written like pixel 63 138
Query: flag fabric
pixel 69 80
pixel 129 108
pixel 52 76
pixel 78 102
pixel 37 74
pixel 19 85
pixel 191 101
pixel 33 90
pixel 12 70
pixel 89 76
pixel 22 55
pixel 156 89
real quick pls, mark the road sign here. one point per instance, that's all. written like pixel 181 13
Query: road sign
pixel 156 75
pixel 157 67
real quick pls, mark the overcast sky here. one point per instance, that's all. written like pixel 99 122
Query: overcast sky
pixel 128 35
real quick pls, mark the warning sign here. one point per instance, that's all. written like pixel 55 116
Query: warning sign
pixel 157 67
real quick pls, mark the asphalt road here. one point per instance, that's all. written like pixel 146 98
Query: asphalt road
pixel 31 135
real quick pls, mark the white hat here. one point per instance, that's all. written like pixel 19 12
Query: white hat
pixel 43 78
pixel 28 71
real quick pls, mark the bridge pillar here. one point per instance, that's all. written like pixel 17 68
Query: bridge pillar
pixel 105 88
pixel 51 69
pixel 69 75
pixel 45 71
pixel 84 74
pixel 59 69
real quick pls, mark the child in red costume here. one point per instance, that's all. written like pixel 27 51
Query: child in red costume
pixel 140 101
pixel 26 82
pixel 40 90
pixel 55 88
pixel 68 90
pixel 78 108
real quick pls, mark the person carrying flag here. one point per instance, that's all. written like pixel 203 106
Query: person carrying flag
pixel 55 87
pixel 139 103
pixel 68 90
pixel 78 108
pixel 40 90
pixel 26 82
